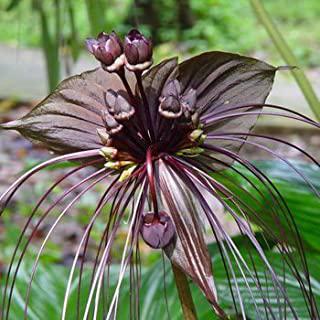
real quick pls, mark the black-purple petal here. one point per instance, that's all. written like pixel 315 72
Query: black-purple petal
pixel 68 119
pixel 221 81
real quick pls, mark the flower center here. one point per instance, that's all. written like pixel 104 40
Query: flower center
pixel 133 125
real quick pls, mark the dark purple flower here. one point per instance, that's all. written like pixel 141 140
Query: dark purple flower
pixel 158 138
pixel 138 51
pixel 107 48
pixel 157 230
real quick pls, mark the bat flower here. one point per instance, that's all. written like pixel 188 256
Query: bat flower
pixel 157 138
pixel 107 49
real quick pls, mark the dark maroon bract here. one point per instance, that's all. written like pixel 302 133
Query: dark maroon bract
pixel 156 136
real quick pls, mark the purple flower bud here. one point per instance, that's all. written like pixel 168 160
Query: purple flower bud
pixel 170 107
pixel 112 126
pixel 118 105
pixel 170 100
pixel 107 49
pixel 123 110
pixel 138 51
pixel 110 98
pixel 157 230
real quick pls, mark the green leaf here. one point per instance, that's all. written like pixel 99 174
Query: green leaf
pixel 50 282
pixel 292 287
pixel 12 4
pixel 303 203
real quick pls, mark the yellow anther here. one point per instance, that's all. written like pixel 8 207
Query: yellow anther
pixel 117 164
pixel 127 173
pixel 195 134
pixel 108 152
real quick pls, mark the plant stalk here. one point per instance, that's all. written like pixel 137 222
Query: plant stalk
pixel 187 304
pixel 50 42
pixel 96 15
pixel 287 56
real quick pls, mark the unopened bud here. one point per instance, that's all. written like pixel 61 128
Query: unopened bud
pixel 107 48
pixel 111 97
pixel 123 110
pixel 117 164
pixel 157 230
pixel 111 124
pixel 108 152
pixel 195 134
pixel 118 105
pixel 127 173
pixel 138 51
pixel 104 136
pixel 202 138
pixel 190 152
pixel 170 107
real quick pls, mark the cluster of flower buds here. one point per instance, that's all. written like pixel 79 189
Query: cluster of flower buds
pixel 174 104
pixel 157 230
pixel 118 111
pixel 135 53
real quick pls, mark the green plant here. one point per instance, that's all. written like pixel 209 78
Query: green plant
pixel 288 56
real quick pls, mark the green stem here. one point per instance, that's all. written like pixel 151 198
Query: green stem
pixel 49 44
pixel 96 15
pixel 287 55
pixel 188 308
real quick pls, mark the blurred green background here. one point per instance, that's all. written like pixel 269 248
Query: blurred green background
pixel 205 25
pixel 176 26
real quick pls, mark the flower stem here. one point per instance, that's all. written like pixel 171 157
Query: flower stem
pixel 288 56
pixel 121 74
pixel 150 173
pixel 188 308
pixel 146 104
